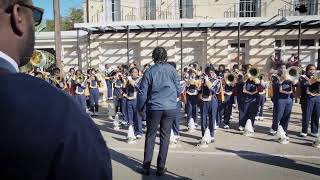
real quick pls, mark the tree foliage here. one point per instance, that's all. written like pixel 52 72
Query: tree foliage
pixel 74 16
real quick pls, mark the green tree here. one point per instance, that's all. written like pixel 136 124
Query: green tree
pixel 74 16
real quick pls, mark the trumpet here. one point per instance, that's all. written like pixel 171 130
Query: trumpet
pixel 292 74
pixel 80 79
pixel 230 79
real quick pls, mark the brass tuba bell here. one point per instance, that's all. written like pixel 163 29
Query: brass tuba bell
pixel 230 79
pixel 253 73
pixel 293 73
pixel 80 79
pixel 38 59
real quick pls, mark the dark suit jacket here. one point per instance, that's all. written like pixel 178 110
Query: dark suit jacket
pixel 44 135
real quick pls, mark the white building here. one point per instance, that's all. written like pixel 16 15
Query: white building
pixel 210 32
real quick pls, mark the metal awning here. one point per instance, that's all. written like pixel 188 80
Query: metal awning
pixel 189 24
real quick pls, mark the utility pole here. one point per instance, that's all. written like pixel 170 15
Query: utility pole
pixel 87 10
pixel 57 33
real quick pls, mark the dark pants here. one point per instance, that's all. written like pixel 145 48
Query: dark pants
pixel 208 108
pixel 240 101
pixel 165 118
pixel 262 100
pixel 117 104
pixel 124 109
pixel 284 108
pixel 176 122
pixel 109 88
pixel 94 100
pixel 250 109
pixel 192 110
pixel 133 116
pixel 81 101
pixel 227 105
pixel 312 112
pixel 275 114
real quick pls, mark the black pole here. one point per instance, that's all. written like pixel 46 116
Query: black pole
pixel 78 51
pixel 128 45
pixel 239 44
pixel 299 41
pixel 181 65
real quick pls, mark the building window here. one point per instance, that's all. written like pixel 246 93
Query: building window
pixel 116 10
pixel 310 5
pixel 150 10
pixel 249 8
pixel 304 42
pixel 186 9
pixel 235 45
pixel 278 43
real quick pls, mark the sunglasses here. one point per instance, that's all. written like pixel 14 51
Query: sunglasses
pixel 37 13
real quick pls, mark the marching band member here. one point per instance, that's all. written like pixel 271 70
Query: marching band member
pixel 210 87
pixel 310 100
pixel 193 85
pixel 262 97
pixel 108 79
pixel 70 77
pixel 250 100
pixel 283 100
pixel 57 80
pixel 131 91
pixel 240 98
pixel 94 92
pixel 226 106
pixel 117 84
pixel 80 84
pixel 124 80
pixel 176 122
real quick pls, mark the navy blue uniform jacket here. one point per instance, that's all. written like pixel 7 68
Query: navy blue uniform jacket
pixel 44 135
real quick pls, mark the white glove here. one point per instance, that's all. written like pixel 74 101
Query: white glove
pixel 206 78
pixel 129 78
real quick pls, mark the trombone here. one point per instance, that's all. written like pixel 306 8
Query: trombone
pixel 38 59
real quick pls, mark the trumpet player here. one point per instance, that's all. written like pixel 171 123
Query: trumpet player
pixel 210 87
pixel 93 83
pixel 250 97
pixel 283 100
pixel 192 87
pixel 80 84
pixel 310 100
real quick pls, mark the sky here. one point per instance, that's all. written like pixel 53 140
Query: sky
pixel 65 5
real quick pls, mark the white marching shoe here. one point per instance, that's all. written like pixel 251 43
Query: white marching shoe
pixel 131 138
pixel 248 129
pixel 116 122
pixel 206 139
pixel 316 143
pixel 191 125
pixel 173 140
pixel 281 135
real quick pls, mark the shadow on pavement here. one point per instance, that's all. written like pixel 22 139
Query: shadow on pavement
pixel 135 165
pixel 274 161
